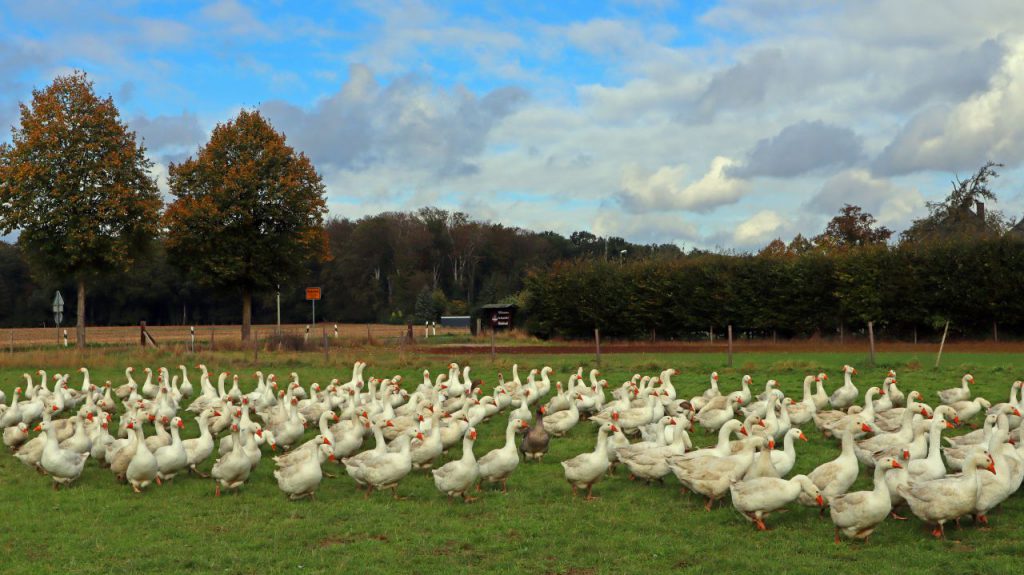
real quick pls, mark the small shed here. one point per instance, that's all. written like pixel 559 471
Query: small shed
pixel 500 316
pixel 455 321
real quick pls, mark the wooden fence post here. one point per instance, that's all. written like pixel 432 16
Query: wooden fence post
pixel 871 343
pixel 597 346
pixel 711 335
pixel 255 346
pixel 325 344
pixel 729 331
pixel 492 344
pixel 995 331
pixel 211 338
pixel 12 342
pixel 942 344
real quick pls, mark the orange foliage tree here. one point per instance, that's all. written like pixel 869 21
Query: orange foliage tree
pixel 248 210
pixel 76 186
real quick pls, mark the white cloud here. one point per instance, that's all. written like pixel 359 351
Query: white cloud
pixel 666 188
pixel 236 19
pixel 647 228
pixel 986 126
pixel 759 228
pixel 892 205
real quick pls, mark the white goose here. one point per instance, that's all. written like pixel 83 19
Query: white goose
pixel 497 465
pixel 386 470
pixel 820 397
pixel 837 476
pixel 784 460
pixel 955 394
pixel 558 424
pixel 200 448
pixel 143 468
pixel 756 498
pixel 232 470
pixel 303 478
pixel 586 469
pixel 652 464
pixel 455 478
pixel 64 466
pixel 712 477
pixel 931 466
pixel 856 514
pixel 948 498
pixel 171 459
pixel 803 411
pixel 846 395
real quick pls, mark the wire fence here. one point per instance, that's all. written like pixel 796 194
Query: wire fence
pixel 226 337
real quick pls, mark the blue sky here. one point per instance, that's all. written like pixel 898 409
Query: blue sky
pixel 724 123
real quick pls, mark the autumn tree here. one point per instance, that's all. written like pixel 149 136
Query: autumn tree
pixel 852 227
pixel 76 185
pixel 963 213
pixel 248 210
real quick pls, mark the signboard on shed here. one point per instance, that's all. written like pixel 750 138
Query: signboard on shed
pixel 312 294
pixel 500 316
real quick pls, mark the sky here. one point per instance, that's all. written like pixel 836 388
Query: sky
pixel 711 124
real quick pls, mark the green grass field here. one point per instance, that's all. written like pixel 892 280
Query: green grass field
pixel 100 526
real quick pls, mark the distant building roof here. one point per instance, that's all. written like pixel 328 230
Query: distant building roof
pixel 1017 230
pixel 499 306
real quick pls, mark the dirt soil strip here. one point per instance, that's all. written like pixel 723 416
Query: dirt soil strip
pixel 676 347
pixel 222 333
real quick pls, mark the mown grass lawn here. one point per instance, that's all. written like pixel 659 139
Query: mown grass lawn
pixel 99 526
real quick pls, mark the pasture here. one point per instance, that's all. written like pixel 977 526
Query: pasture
pixel 100 526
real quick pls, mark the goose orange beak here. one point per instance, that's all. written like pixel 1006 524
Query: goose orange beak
pixel 896 464
pixel 820 500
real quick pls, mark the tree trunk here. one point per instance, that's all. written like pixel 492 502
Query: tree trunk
pixel 80 326
pixel 246 312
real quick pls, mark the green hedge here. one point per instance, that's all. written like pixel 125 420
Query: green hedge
pixel 902 289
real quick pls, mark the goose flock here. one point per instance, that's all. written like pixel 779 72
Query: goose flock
pixel 643 425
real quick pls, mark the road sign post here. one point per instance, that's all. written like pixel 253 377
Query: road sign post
pixel 58 315
pixel 313 294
